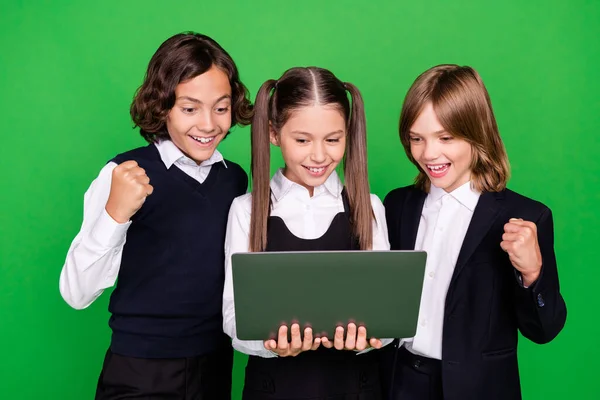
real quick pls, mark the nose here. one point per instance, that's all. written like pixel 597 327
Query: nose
pixel 318 154
pixel 206 122
pixel 431 150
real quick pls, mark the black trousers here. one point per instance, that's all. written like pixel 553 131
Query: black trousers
pixel 407 376
pixel 204 377
pixel 324 374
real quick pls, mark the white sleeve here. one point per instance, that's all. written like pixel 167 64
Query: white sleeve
pixel 237 241
pixel 380 242
pixel 380 232
pixel 93 260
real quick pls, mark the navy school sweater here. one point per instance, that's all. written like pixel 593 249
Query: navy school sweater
pixel 168 297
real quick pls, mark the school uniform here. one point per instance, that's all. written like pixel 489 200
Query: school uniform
pixel 167 340
pixel 301 223
pixel 473 303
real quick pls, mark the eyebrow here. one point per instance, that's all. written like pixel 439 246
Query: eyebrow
pixel 433 133
pixel 194 100
pixel 310 134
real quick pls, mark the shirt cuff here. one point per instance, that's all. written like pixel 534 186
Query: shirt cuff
pixel 384 342
pixel 520 280
pixel 107 232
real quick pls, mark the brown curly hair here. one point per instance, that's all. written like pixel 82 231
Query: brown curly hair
pixel 178 59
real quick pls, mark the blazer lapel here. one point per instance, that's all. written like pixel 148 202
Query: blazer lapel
pixel 411 216
pixel 487 210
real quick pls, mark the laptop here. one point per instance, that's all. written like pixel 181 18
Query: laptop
pixel 323 289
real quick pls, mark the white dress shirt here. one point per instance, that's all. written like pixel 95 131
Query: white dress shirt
pixel 93 260
pixel 306 217
pixel 442 229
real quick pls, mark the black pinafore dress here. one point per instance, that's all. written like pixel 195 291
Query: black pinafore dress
pixel 323 374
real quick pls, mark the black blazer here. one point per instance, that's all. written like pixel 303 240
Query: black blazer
pixel 486 305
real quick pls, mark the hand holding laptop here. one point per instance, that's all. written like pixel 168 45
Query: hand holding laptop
pixel 356 339
pixel 297 345
pixel 353 341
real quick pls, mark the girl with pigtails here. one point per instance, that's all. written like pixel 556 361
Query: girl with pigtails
pixel 317 121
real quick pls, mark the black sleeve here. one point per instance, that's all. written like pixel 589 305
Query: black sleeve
pixel 541 310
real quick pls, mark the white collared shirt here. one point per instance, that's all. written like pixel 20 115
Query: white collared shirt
pixel 94 257
pixel 305 216
pixel 444 222
pixel 170 154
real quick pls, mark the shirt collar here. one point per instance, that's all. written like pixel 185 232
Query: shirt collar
pixel 170 154
pixel 464 194
pixel 281 186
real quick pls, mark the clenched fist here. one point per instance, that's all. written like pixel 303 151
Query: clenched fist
pixel 520 241
pixel 128 190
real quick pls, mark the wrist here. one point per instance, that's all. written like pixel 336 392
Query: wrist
pixel 530 278
pixel 116 214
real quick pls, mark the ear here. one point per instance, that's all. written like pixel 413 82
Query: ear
pixel 167 117
pixel 273 135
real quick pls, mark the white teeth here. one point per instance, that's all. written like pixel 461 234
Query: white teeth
pixel 316 170
pixel 437 167
pixel 203 139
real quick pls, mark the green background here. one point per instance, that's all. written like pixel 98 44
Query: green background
pixel 68 71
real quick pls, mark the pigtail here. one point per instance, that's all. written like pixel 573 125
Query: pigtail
pixel 355 171
pixel 260 167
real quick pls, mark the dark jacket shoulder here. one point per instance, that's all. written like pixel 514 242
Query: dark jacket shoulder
pixel 520 206
pixel 397 196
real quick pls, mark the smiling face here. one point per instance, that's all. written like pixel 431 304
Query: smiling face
pixel 201 116
pixel 312 142
pixel 445 159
